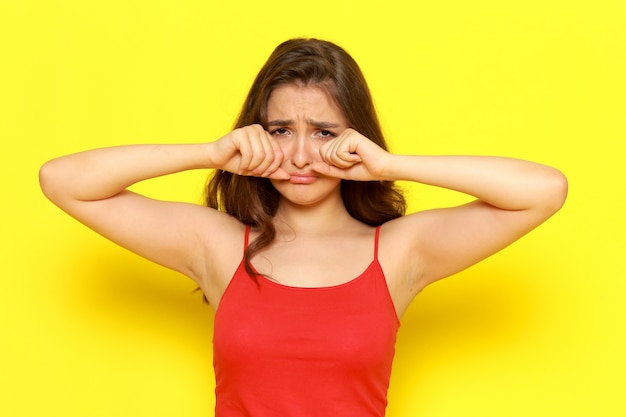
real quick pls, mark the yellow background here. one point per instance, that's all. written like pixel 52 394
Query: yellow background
pixel 539 329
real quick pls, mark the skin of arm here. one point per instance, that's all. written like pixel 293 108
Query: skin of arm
pixel 102 173
pixel 512 197
pixel 91 186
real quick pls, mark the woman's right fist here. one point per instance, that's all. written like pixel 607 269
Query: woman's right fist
pixel 249 150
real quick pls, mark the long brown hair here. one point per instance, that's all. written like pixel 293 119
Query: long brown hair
pixel 254 200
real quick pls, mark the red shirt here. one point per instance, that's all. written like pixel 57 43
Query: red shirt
pixel 289 351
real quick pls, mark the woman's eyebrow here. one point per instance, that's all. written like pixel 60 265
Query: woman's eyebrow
pixel 322 125
pixel 319 125
pixel 280 122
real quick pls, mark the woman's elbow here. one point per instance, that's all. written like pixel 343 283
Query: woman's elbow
pixel 50 181
pixel 45 179
pixel 556 189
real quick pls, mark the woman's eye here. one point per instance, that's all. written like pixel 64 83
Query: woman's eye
pixel 326 134
pixel 281 131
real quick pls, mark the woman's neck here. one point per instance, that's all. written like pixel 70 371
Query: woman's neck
pixel 313 219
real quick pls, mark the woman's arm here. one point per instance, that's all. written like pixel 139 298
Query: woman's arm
pixel 512 197
pixel 92 187
pixel 506 183
pixel 102 173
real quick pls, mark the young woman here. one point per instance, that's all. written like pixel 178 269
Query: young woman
pixel 304 250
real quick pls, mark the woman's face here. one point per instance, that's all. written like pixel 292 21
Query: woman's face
pixel 301 119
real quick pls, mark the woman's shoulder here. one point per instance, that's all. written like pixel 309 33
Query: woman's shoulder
pixel 222 240
pixel 403 238
pixel 400 257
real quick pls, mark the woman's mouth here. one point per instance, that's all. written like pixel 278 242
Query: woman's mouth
pixel 302 178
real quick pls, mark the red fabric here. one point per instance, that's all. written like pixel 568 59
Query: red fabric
pixel 288 351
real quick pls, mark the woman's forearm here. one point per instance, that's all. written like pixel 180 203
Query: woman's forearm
pixel 102 173
pixel 506 183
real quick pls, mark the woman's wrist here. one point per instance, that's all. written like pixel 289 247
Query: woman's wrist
pixel 393 166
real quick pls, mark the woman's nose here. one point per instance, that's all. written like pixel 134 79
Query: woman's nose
pixel 302 151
